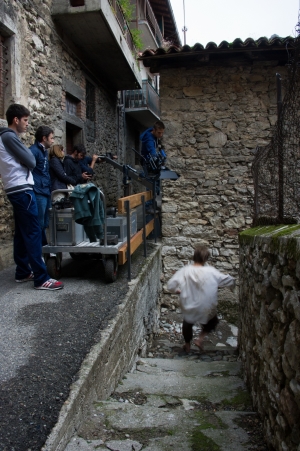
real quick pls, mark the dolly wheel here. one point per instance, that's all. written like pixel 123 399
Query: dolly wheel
pixel 54 267
pixel 111 271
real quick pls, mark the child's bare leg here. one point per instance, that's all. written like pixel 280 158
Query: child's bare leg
pixel 199 341
pixel 187 347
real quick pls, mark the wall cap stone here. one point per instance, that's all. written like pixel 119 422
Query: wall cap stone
pixel 279 239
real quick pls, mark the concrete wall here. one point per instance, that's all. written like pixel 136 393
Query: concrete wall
pixel 269 334
pixel 214 116
pixel 115 354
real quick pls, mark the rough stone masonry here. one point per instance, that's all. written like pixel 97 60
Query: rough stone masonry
pixel 269 332
pixel 215 116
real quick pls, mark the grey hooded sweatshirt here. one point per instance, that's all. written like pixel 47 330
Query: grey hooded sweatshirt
pixel 16 162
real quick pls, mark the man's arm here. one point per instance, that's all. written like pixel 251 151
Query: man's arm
pixel 16 148
pixel 150 146
pixel 86 166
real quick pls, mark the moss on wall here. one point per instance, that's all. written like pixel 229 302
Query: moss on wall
pixel 280 239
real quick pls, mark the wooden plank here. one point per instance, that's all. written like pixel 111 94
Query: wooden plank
pixel 135 241
pixel 134 199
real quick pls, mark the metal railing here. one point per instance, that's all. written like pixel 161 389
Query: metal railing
pixel 276 167
pixel 122 23
pixel 152 21
pixel 146 97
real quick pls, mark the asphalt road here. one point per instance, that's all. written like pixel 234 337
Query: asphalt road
pixel 44 337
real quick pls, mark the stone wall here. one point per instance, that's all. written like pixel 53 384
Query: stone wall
pixel 269 334
pixel 214 117
pixel 42 71
pixel 109 360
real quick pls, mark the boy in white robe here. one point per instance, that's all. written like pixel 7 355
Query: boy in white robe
pixel 198 285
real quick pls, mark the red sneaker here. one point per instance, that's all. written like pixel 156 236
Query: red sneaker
pixel 50 284
pixel 27 279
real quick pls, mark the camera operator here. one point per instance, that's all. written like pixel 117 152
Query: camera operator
pixel 86 162
pixel 154 158
pixel 154 155
pixel 73 168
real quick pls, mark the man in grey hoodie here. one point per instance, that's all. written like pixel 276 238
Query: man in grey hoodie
pixel 16 166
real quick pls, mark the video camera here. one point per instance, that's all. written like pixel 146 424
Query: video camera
pixel 153 164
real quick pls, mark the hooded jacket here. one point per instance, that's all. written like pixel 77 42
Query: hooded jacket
pixel 198 287
pixel 89 210
pixel 16 162
pixel 149 143
pixel 41 176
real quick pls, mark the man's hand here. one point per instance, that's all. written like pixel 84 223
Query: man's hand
pixel 86 176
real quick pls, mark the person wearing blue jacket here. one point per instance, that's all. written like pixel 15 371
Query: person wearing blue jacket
pixel 153 156
pixel 86 162
pixel 151 140
pixel 44 138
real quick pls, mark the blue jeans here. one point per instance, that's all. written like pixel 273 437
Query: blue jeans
pixel 43 205
pixel 27 238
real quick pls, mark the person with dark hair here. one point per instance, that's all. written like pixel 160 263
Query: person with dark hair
pixel 151 140
pixel 73 168
pixel 153 157
pixel 86 162
pixel 198 285
pixel 44 138
pixel 16 166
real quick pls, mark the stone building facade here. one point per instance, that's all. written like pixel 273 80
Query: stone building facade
pixel 217 107
pixel 42 70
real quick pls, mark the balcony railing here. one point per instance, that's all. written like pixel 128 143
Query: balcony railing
pixel 152 21
pixel 146 97
pixel 122 24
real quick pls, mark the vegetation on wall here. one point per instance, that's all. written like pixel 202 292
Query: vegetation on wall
pixel 128 10
pixel 137 38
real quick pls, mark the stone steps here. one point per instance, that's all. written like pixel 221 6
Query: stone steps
pixel 172 404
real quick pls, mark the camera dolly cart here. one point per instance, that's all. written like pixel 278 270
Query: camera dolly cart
pixel 65 235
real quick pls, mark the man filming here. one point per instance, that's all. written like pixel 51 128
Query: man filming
pixel 153 155
pixel 86 162
pixel 153 158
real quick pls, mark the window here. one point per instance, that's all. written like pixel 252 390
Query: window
pixel 71 105
pixel 90 105
pixel 3 74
